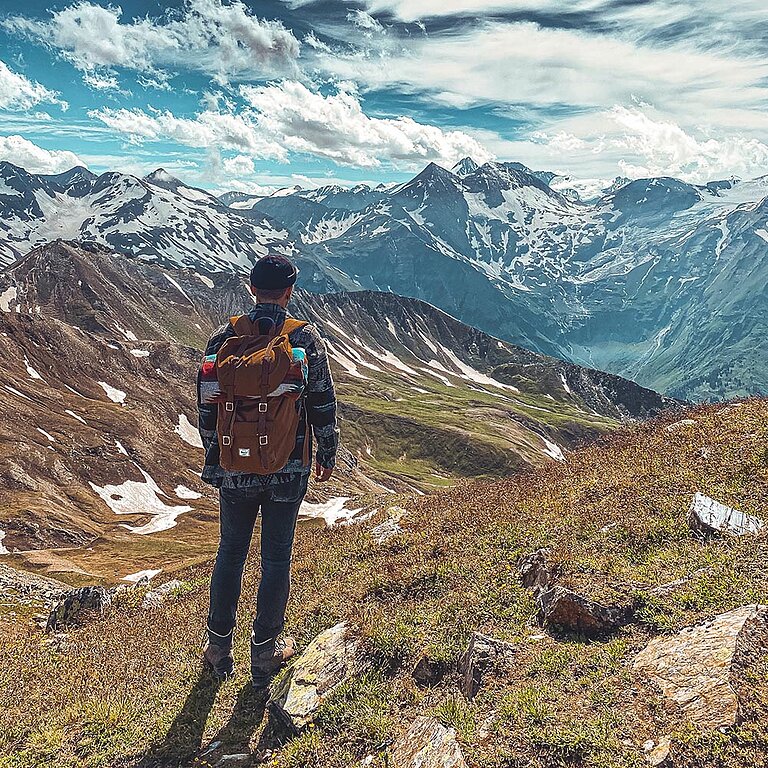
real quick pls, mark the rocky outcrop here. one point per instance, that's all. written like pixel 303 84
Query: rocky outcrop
pixel 484 654
pixel 74 604
pixel 427 744
pixel 707 517
pixel 693 669
pixel 390 528
pixel 563 608
pixel 331 659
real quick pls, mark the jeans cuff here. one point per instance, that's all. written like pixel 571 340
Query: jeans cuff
pixel 216 639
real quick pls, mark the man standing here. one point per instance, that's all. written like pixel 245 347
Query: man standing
pixel 277 495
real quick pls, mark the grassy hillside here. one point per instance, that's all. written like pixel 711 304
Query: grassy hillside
pixel 129 690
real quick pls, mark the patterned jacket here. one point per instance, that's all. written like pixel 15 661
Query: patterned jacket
pixel 319 405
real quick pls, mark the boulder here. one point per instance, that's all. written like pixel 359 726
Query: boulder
pixel 707 517
pixel 693 669
pixel 535 572
pixel 484 654
pixel 657 752
pixel 73 604
pixel 427 744
pixel 331 659
pixel 563 608
pixel 153 599
pixel 680 425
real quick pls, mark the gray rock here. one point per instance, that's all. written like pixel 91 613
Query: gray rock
pixel 657 752
pixel 168 587
pixel 153 599
pixel 242 758
pixel 331 659
pixel 385 531
pixel 694 668
pixel 707 517
pixel 563 608
pixel 427 744
pixel 484 654
pixel 73 605
pixel 535 572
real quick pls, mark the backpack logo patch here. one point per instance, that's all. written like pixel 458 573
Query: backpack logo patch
pixel 244 452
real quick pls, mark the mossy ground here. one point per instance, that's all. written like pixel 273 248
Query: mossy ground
pixel 129 689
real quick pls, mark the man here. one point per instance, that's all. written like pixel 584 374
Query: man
pixel 277 496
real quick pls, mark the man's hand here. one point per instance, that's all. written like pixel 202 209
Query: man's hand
pixel 322 474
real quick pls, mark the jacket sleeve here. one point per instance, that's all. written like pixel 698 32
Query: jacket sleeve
pixel 321 401
pixel 207 412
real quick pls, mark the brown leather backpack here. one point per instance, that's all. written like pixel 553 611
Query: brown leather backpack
pixel 257 426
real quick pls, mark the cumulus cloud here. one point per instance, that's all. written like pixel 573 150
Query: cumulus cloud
pixel 222 39
pixel 35 159
pixel 19 93
pixel 288 117
pixel 335 126
pixel 637 141
pixel 207 130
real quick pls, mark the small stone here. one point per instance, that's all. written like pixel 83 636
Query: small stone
pixel 153 599
pixel 534 571
pixel 484 654
pixel 693 669
pixel 239 759
pixel 385 531
pixel 657 754
pixel 707 517
pixel 331 659
pixel 428 672
pixel 168 587
pixel 74 604
pixel 427 744
pixel 565 609
pixel 680 425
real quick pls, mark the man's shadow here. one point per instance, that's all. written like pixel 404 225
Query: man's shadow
pixel 247 715
pixel 185 735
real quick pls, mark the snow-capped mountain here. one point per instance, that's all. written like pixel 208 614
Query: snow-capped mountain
pixel 647 281
pixel 654 279
pixel 157 218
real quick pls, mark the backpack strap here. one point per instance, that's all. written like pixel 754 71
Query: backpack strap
pixel 242 325
pixel 291 324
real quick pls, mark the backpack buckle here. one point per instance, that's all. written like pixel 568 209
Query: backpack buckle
pixel 262 407
pixel 229 406
pixel 226 440
pixel 263 439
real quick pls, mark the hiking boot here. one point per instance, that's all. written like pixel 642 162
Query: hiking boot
pixel 220 659
pixel 268 657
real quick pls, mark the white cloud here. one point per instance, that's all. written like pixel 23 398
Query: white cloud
pixel 240 165
pixel 208 130
pixel 412 10
pixel 222 39
pixel 289 117
pixel 19 93
pixel 336 127
pixel 638 141
pixel 35 159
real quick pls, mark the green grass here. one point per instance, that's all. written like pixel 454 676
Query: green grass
pixel 129 686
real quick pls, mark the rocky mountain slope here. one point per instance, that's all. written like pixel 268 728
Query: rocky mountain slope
pixel 441 633
pixel 100 356
pixel 656 280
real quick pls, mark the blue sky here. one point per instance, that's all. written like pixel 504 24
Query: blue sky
pixel 255 95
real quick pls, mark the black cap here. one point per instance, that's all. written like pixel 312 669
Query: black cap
pixel 271 273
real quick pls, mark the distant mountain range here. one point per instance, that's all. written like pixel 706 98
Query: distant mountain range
pixel 656 280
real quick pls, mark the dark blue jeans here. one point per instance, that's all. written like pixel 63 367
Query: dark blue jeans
pixel 279 506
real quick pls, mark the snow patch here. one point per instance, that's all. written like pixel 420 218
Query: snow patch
pixel 75 416
pixel 565 384
pixel 553 450
pixel 133 497
pixel 759 232
pixel 140 352
pixel 33 374
pixel 121 448
pixel 332 511
pixel 6 297
pixel 45 434
pixel 16 392
pixel 186 493
pixel 205 280
pixel 3 550
pixel 139 575
pixel 187 432
pixel 115 395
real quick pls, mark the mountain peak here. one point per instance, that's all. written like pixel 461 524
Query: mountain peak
pixel 464 167
pixel 162 178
